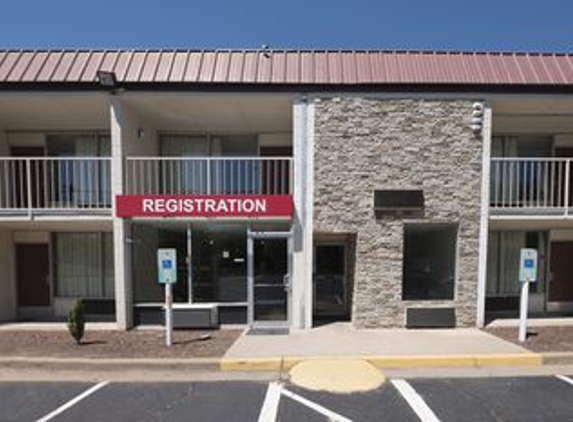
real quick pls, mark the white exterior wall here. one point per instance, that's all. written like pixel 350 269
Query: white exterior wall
pixel 303 135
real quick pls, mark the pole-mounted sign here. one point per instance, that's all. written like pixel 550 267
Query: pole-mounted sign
pixel 167 275
pixel 527 274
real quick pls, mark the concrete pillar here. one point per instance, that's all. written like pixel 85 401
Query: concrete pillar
pixel 484 214
pixel 8 278
pixel 122 262
pixel 303 151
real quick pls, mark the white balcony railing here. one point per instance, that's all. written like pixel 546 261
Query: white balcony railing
pixel 49 184
pixel 530 185
pixel 209 176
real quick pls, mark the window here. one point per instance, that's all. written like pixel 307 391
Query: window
pixel 504 248
pixel 204 155
pixel 429 261
pixel 75 180
pixel 84 265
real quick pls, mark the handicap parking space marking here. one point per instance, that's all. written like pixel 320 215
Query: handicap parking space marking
pixel 415 401
pixel 568 380
pixel 73 402
pixel 270 406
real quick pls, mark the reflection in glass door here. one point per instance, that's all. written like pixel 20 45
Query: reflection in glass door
pixel 269 278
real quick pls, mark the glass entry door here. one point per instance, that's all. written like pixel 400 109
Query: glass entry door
pixel 269 276
pixel 330 288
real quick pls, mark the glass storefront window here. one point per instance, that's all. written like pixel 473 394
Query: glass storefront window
pixel 429 261
pixel 219 263
pixel 218 260
pixel 145 240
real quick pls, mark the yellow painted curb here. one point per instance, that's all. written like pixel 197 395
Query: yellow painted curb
pixel 518 359
pixel 415 361
pixel 420 361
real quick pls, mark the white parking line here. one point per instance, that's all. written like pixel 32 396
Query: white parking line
pixel 332 416
pixel 72 402
pixel 566 379
pixel 416 402
pixel 271 403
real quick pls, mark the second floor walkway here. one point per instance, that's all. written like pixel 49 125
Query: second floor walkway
pixel 52 186
pixel 531 187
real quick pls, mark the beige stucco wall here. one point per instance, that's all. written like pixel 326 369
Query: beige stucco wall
pixel 366 144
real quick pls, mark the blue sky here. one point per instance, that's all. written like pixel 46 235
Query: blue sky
pixel 529 25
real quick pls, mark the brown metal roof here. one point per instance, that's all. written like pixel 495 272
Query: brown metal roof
pixel 274 68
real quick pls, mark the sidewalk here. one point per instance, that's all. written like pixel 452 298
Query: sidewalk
pixel 383 348
pixel 232 350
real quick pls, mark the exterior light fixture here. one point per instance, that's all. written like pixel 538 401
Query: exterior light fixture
pixel 477 118
pixel 140 133
pixel 106 79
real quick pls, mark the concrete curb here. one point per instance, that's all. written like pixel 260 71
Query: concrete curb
pixel 95 364
pixel 386 362
pixel 281 363
pixel 558 358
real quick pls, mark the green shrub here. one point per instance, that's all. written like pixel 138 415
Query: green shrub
pixel 76 321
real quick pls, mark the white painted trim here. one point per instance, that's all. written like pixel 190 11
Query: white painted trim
pixel 549 218
pixel 309 233
pixel 415 401
pixel 264 92
pixel 72 402
pixel 440 96
pixel 484 214
pixel 303 138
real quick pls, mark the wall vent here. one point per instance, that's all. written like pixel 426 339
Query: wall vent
pixel 399 203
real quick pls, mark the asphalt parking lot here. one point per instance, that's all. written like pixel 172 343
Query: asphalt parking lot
pixel 460 399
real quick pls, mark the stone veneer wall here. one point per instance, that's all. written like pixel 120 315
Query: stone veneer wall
pixel 367 144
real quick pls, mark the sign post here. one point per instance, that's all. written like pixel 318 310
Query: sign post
pixel 527 274
pixel 167 273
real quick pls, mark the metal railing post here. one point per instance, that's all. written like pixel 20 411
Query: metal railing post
pixel 567 174
pixel 208 176
pixel 291 177
pixel 29 186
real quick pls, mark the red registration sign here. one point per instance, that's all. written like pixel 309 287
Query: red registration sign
pixel 251 206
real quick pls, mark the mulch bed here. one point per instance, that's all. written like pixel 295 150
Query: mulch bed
pixel 540 339
pixel 117 344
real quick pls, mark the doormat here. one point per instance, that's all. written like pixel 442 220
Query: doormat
pixel 268 332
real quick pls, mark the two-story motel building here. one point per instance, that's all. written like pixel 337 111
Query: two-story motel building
pixel 386 188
